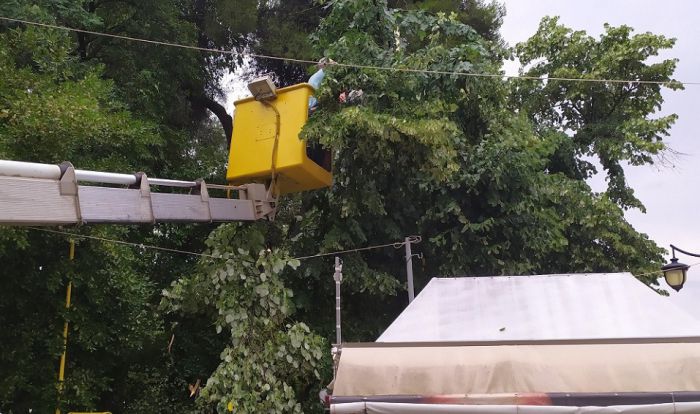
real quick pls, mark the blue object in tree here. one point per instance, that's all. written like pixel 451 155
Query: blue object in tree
pixel 315 81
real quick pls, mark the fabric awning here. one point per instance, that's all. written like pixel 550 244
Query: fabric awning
pixel 554 344
pixel 397 408
pixel 383 369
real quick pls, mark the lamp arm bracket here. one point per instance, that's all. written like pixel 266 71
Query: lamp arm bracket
pixel 674 248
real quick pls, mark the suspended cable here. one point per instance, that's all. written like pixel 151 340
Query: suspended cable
pixel 139 245
pixel 396 245
pixel 308 9
pixel 656 272
pixel 351 65
pixel 154 42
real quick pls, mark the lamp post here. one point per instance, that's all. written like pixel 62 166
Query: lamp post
pixel 675 272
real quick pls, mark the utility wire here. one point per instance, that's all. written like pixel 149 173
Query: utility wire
pixel 396 245
pixel 351 65
pixel 308 9
pixel 656 272
pixel 154 42
pixel 140 245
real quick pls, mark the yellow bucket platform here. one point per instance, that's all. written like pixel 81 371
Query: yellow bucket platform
pixel 253 140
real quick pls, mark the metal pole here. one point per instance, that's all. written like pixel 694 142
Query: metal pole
pixel 62 364
pixel 53 172
pixel 29 170
pixel 409 268
pixel 105 177
pixel 338 277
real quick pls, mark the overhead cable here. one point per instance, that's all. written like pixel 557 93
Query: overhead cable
pixel 656 272
pixel 352 65
pixel 396 245
pixel 126 243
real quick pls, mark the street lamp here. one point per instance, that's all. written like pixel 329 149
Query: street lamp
pixel 674 272
pixel 263 89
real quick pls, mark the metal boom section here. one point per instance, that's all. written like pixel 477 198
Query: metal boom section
pixel 48 195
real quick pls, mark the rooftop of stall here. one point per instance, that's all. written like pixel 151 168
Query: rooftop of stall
pixel 507 344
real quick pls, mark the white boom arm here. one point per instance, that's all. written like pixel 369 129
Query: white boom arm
pixel 49 195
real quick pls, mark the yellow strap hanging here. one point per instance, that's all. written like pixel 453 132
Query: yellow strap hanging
pixel 274 190
pixel 62 365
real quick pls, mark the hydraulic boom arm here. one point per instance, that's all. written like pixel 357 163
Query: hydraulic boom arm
pixel 49 195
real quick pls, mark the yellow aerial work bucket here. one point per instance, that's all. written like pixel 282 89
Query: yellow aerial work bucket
pixel 255 131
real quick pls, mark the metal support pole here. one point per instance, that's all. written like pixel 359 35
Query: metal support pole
pixel 409 269
pixel 408 241
pixel 338 277
pixel 62 364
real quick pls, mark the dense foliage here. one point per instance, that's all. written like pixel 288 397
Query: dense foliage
pixel 490 172
pixel 269 361
pixel 90 101
pixel 611 121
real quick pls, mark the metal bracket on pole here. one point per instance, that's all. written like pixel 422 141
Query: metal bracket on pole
pixel 259 195
pixel 201 189
pixel 68 186
pixel 145 190
pixel 68 183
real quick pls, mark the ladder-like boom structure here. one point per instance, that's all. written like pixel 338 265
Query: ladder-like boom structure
pixel 49 195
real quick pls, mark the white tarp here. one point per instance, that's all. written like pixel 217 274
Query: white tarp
pixel 381 370
pixel 542 307
pixel 514 335
pixel 398 408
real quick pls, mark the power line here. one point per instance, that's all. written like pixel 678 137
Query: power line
pixel 154 42
pixel 351 65
pixel 656 272
pixel 139 245
pixel 396 245
pixel 308 9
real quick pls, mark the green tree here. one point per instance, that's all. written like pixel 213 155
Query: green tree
pixel 52 107
pixel 443 156
pixel 481 168
pixel 612 121
pixel 283 29
pixel 71 97
pixel 270 361
pixel 485 17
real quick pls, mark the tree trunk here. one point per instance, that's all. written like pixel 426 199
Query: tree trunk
pixel 224 118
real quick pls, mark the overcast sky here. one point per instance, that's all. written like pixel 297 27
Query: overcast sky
pixel 669 193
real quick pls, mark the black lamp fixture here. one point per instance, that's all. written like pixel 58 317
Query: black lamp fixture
pixel 674 272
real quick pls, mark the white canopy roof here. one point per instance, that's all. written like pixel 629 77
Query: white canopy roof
pixel 491 344
pixel 541 307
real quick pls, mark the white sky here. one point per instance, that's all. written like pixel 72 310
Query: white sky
pixel 669 193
